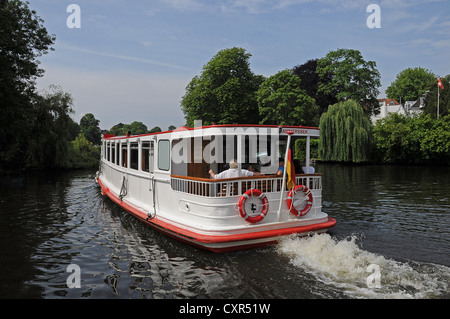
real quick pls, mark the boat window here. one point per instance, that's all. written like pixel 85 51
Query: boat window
pixel 164 155
pixel 134 155
pixel 113 157
pixel 124 154
pixel 108 148
pixel 145 156
pixel 152 157
pixel 117 153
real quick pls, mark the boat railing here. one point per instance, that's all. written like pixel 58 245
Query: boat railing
pixel 238 186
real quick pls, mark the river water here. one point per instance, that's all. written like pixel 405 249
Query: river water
pixel 391 241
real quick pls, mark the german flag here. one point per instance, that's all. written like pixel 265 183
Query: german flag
pixel 290 170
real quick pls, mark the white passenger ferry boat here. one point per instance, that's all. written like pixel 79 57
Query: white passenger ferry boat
pixel 166 181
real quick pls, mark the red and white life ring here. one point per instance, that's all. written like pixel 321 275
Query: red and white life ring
pixel 291 203
pixel 254 217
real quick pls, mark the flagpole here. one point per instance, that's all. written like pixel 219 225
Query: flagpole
pixel 284 172
pixel 438 103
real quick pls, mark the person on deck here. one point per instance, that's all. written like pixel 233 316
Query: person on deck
pixel 232 172
pixel 311 168
pixel 280 168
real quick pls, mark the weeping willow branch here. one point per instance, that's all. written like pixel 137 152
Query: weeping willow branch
pixel 344 133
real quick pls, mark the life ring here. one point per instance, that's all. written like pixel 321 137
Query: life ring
pixel 242 207
pixel 308 198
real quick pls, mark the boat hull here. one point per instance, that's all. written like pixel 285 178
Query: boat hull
pixel 218 241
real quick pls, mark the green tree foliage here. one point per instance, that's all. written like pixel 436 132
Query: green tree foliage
pixel 345 132
pixel 410 84
pixel 418 139
pixel 90 128
pixel 225 91
pixel 23 39
pixel 134 128
pixel 156 129
pixel 35 128
pixel 82 154
pixel 351 78
pixel 432 96
pixel 117 130
pixel 46 145
pixel 310 81
pixel 281 101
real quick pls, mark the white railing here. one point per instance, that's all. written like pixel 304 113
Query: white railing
pixel 238 186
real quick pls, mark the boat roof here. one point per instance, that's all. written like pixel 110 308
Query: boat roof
pixel 283 130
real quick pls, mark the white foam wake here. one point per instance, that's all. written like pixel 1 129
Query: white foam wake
pixel 362 274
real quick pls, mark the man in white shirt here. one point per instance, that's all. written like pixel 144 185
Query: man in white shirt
pixel 232 172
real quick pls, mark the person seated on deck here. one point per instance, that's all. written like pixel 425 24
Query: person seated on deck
pixel 311 168
pixel 232 172
pixel 280 168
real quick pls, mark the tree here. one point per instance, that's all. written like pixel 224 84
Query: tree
pixel 411 84
pixel 310 81
pixel 90 128
pixel 23 39
pixel 83 154
pixel 156 129
pixel 351 78
pixel 418 139
pixel 225 91
pixel 444 98
pixel 117 130
pixel 281 101
pixel 345 132
pixel 46 146
pixel 135 128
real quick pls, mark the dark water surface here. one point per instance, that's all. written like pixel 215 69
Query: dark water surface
pixel 396 219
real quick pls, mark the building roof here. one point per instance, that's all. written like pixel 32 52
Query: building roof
pixel 389 101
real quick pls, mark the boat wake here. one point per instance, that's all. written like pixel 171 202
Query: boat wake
pixel 357 273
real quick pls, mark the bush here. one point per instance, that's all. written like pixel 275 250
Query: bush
pixel 413 140
pixel 83 154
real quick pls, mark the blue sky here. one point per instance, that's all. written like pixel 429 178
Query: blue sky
pixel 131 60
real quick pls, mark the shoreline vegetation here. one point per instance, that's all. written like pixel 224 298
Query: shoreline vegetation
pixel 337 93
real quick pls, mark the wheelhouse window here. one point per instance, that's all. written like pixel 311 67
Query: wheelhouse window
pixel 164 155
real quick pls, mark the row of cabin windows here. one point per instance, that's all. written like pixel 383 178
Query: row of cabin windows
pixel 112 152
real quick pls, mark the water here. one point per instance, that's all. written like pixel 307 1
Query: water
pixel 391 241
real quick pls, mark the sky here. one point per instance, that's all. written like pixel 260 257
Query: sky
pixel 132 60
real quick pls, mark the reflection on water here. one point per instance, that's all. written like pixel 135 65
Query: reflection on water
pixel 395 217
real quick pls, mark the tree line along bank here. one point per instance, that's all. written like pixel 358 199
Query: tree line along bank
pixel 340 89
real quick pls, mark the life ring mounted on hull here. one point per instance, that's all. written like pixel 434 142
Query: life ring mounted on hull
pixel 254 217
pixel 294 206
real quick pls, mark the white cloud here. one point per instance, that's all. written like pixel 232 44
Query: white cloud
pixel 185 5
pixel 127 57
